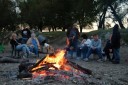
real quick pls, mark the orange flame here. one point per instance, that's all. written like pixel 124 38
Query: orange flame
pixel 58 60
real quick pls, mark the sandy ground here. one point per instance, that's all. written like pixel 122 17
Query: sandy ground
pixel 106 73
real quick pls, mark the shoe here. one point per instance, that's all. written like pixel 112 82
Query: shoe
pixel 100 60
pixel 116 62
pixel 105 59
pixel 86 59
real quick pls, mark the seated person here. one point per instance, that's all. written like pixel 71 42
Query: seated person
pixel 16 45
pixel 95 48
pixel 26 34
pixel 83 47
pixel 33 44
pixel 108 49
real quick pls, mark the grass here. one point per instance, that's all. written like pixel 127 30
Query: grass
pixel 60 35
pixel 54 35
pixel 101 33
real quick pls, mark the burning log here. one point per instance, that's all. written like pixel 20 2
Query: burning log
pixel 53 65
pixel 45 67
pixel 78 67
pixel 36 64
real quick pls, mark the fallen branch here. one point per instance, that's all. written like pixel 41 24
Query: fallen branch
pixel 12 60
pixel 78 67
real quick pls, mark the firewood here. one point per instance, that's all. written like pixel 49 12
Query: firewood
pixel 25 66
pixel 12 60
pixel 36 64
pixel 44 67
pixel 78 67
pixel 24 74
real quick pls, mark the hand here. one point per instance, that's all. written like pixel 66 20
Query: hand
pixel 93 48
pixel 66 46
pixel 71 48
pixel 32 46
pixel 110 50
pixel 73 37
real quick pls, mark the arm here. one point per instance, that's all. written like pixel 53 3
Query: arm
pixel 29 42
pixel 96 44
pixel 92 44
pixel 99 44
pixel 13 43
pixel 88 42
pixel 38 43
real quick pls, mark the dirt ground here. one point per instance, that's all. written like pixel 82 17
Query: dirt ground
pixel 104 73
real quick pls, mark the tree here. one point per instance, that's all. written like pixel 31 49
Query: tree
pixel 7 15
pixel 112 4
pixel 57 13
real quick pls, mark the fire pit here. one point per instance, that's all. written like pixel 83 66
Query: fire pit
pixel 54 67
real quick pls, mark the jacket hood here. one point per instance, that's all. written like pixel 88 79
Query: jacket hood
pixel 115 28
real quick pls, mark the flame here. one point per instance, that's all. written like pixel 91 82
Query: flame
pixel 57 60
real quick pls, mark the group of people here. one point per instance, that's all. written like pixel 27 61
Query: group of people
pixel 94 45
pixel 28 43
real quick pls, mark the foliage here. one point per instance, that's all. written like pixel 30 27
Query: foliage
pixel 7 14
pixel 52 13
pixel 57 13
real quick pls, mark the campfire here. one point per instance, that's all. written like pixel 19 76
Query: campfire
pixel 55 66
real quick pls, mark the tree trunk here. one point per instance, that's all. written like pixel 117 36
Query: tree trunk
pixel 102 19
pixel 63 29
pixel 117 17
pixel 49 29
pixel 81 28
pixel 100 22
pixel 53 29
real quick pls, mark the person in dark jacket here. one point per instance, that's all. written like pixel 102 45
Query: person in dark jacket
pixel 26 34
pixel 108 48
pixel 115 40
pixel 72 39
pixel 16 45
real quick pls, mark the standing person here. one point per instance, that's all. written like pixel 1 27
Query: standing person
pixel 95 48
pixel 115 40
pixel 33 44
pixel 72 39
pixel 26 34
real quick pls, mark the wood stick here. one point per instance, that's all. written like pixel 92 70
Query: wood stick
pixel 78 67
pixel 45 67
